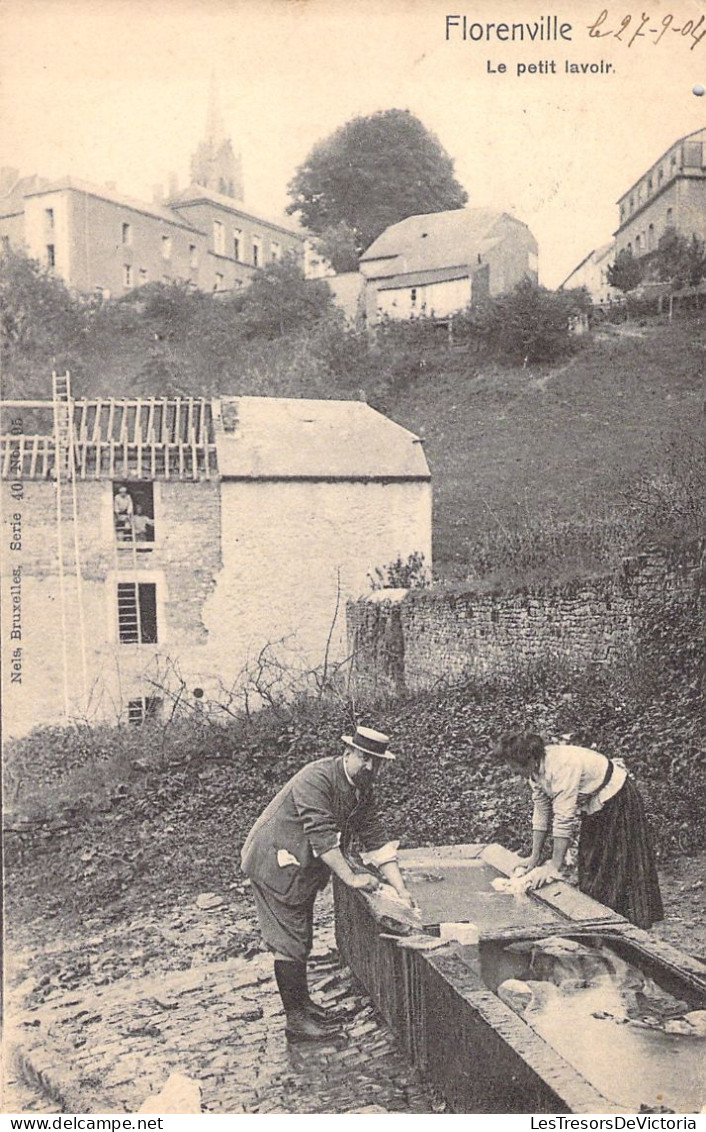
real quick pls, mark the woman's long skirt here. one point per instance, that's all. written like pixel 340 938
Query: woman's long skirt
pixel 616 859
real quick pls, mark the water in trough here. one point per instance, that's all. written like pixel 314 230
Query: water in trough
pixel 635 1042
pixel 462 891
pixel 638 1044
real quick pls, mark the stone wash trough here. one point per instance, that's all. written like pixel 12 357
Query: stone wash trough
pixel 531 1003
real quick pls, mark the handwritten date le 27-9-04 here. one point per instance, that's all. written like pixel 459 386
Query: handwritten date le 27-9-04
pixel 629 29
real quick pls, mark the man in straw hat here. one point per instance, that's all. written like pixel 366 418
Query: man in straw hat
pixel 298 840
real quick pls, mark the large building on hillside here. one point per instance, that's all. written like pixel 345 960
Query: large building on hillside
pixel 101 241
pixel 161 548
pixel 670 194
pixel 437 263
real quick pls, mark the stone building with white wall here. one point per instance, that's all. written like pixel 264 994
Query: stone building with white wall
pixel 592 273
pixel 438 263
pixel 242 528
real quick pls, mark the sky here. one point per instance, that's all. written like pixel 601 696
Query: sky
pixel 117 91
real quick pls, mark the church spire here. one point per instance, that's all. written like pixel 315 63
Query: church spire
pixel 214 165
pixel 215 130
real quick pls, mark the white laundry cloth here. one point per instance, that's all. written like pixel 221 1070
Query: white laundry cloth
pixel 527 882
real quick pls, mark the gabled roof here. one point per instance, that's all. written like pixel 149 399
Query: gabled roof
pixel 235 438
pixel 198 194
pixel 595 256
pixel 162 212
pixel 12 202
pixel 276 438
pixel 436 240
pixel 420 278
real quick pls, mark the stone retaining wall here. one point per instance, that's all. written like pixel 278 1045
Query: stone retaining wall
pixel 408 640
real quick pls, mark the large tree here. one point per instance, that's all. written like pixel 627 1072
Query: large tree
pixel 373 172
pixel 41 325
pixel 626 272
pixel 338 246
pixel 678 260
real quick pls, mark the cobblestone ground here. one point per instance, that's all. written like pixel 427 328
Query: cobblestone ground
pixel 103 1019
pixel 105 1048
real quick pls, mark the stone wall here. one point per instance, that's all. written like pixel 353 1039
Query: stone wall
pixel 408 640
pixel 183 563
pixel 235 565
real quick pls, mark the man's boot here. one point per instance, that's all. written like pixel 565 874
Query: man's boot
pixel 301 1026
pixel 316 1010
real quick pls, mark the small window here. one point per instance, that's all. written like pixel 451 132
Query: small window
pixel 237 245
pixel 51 257
pixel 218 285
pixel 142 275
pixel 413 296
pixel 670 217
pixel 49 217
pixel 127 234
pixel 275 252
pixel 127 275
pixel 193 255
pixel 256 251
pixel 133 513
pixel 637 243
pixel 692 155
pixel 660 175
pixel 166 247
pixel 144 710
pixel 673 160
pixel 632 203
pixel 137 613
pixel 649 184
pixel 219 246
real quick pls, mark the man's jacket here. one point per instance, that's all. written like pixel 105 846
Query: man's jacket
pixel 317 810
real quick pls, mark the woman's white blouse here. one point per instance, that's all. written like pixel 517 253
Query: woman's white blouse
pixel 569 783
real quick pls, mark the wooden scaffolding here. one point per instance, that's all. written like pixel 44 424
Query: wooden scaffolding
pixel 141 438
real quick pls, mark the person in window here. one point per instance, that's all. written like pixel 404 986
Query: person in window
pixel 122 512
pixel 616 863
pixel 297 842
pixel 142 525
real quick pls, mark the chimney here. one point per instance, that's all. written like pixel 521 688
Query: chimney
pixel 157 193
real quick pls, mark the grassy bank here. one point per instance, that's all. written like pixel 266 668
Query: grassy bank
pixel 559 469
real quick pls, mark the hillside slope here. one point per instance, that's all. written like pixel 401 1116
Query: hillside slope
pixel 517 453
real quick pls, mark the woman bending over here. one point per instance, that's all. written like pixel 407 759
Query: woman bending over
pixel 616 863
